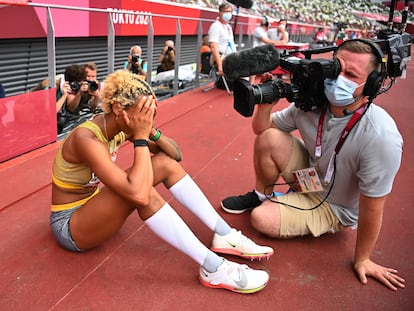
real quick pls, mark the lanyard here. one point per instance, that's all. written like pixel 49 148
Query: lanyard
pixel 229 37
pixel 227 28
pixel 356 116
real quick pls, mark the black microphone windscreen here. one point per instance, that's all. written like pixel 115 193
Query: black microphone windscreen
pixel 246 4
pixel 249 62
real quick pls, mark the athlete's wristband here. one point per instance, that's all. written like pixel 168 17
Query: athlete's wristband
pixel 140 143
pixel 156 136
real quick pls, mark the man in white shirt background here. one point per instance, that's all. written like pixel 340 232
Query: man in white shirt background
pixel 221 36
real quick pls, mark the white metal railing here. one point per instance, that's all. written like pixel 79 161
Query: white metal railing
pixel 111 39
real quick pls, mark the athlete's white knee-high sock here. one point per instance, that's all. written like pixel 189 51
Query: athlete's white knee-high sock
pixel 187 192
pixel 169 226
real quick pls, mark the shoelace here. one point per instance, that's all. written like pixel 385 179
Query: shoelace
pixel 245 240
pixel 245 195
pixel 238 266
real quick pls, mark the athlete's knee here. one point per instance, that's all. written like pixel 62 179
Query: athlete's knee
pixel 164 162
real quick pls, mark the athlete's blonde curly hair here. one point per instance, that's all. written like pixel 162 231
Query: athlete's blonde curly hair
pixel 123 87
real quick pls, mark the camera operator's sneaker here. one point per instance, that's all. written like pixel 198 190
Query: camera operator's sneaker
pixel 235 243
pixel 235 277
pixel 240 204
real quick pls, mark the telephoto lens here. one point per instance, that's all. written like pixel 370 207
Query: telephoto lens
pixel 134 58
pixel 75 86
pixel 246 95
pixel 92 85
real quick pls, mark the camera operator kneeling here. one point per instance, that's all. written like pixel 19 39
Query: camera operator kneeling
pixel 342 167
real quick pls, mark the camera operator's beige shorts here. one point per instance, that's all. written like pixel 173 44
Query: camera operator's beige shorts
pixel 295 222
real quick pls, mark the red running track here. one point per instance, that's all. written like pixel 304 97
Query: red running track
pixel 137 271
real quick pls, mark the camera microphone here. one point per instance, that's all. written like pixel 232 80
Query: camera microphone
pixel 249 62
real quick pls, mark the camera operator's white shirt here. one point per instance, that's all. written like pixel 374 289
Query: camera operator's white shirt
pixel 367 162
pixel 222 34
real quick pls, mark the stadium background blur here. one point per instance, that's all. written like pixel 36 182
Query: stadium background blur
pixel 320 12
pixel 40 38
pixel 24 60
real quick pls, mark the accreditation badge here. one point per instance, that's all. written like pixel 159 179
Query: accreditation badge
pixel 307 180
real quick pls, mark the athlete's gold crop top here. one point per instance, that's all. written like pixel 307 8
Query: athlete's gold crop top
pixel 68 175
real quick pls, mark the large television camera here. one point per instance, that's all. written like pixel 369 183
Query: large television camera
pixel 306 87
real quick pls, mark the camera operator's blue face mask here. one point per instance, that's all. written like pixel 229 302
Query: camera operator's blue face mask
pixel 340 91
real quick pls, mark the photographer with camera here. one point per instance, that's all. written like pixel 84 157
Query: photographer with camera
pixel 92 96
pixel 68 96
pixel 74 75
pixel 81 97
pixel 167 57
pixel 85 88
pixel 135 63
pixel 341 170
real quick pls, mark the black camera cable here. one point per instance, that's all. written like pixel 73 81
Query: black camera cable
pixel 270 197
pixel 356 117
